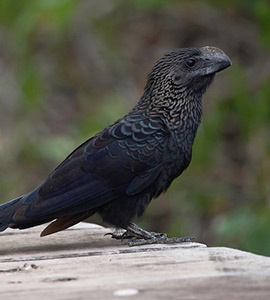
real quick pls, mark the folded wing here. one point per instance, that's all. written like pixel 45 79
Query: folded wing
pixel 123 159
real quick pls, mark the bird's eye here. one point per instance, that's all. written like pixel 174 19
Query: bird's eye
pixel 190 62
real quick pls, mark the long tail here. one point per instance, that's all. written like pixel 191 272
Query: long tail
pixel 10 213
pixel 7 211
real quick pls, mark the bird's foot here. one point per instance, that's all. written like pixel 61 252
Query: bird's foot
pixel 133 232
pixel 136 236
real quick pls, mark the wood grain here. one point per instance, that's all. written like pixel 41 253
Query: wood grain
pixel 82 263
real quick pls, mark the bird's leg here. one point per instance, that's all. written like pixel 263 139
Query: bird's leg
pixel 135 236
pixel 132 232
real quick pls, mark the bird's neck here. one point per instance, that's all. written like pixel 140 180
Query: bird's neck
pixel 181 116
pixel 184 121
pixel 177 113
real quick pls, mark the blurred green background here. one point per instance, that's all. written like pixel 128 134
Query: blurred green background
pixel 69 68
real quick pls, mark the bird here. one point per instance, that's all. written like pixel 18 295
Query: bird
pixel 118 171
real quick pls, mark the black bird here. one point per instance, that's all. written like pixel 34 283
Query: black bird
pixel 117 172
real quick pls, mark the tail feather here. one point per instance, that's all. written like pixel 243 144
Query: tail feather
pixel 7 211
pixel 10 213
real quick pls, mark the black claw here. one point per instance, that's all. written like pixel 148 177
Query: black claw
pixel 114 235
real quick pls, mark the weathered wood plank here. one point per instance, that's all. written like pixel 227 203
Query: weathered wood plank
pixel 82 263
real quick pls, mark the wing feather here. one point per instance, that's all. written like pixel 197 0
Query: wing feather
pixel 123 159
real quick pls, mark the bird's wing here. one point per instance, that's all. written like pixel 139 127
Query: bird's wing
pixel 124 158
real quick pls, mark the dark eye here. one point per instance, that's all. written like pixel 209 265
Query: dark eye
pixel 190 62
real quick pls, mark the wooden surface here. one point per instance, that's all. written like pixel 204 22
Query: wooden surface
pixel 82 263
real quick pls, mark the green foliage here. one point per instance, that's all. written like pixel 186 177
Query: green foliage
pixel 150 5
pixel 249 228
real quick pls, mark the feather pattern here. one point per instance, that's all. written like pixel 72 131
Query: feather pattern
pixel 117 172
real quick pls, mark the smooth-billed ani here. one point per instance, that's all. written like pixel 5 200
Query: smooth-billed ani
pixel 117 172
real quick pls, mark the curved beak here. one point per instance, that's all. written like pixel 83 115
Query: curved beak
pixel 215 60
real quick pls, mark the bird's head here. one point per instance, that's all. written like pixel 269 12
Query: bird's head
pixel 187 70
